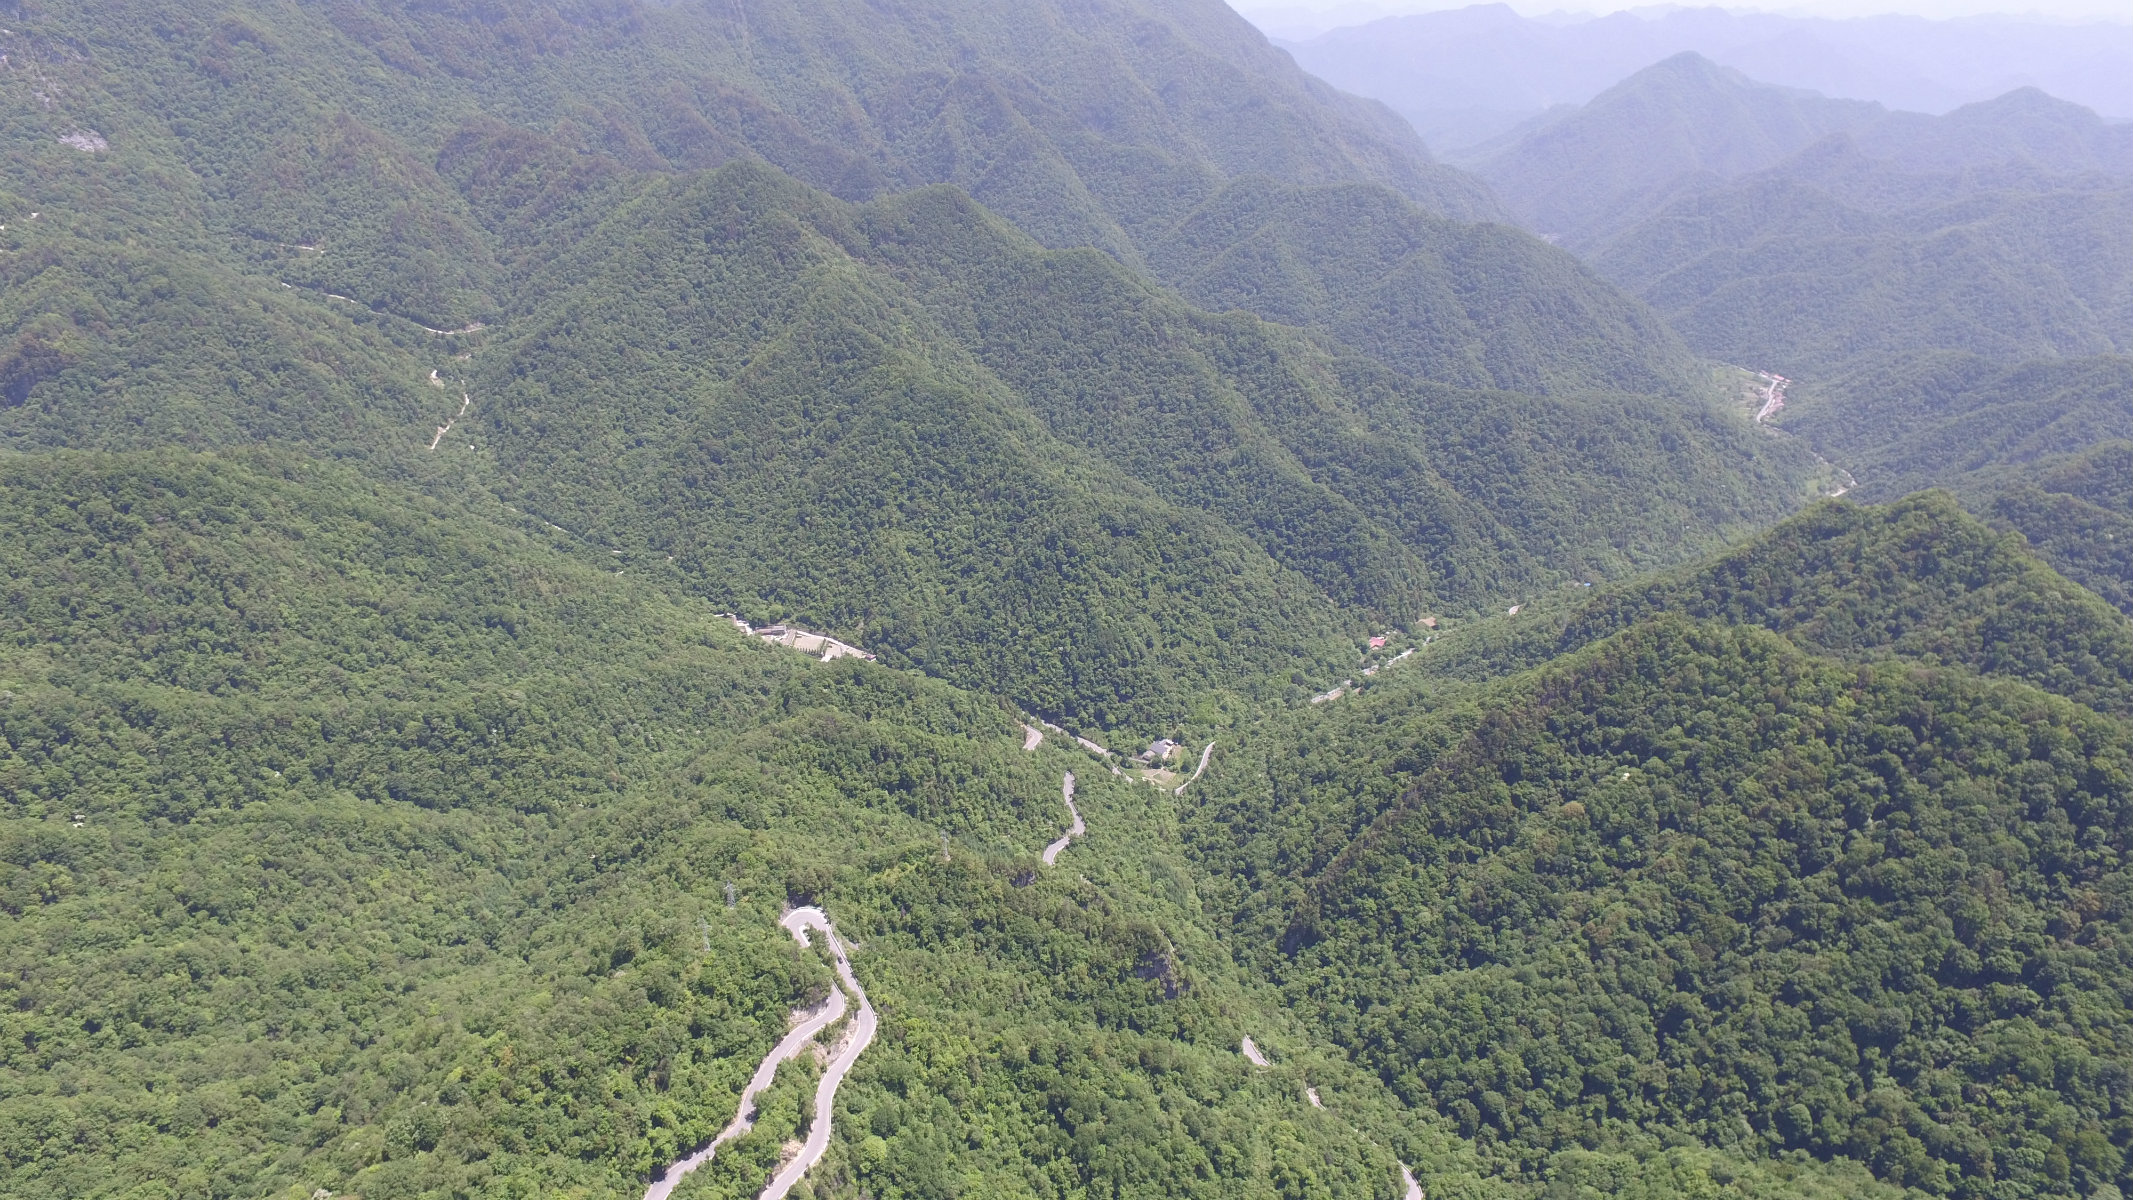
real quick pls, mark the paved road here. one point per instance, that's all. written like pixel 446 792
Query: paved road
pixel 1051 852
pixel 801 1037
pixel 797 922
pixel 1197 770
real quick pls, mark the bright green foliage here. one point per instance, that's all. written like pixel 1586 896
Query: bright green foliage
pixel 290 123
pixel 1029 471
pixel 1450 302
pixel 1666 889
pixel 386 807
pixel 1927 419
pixel 1918 580
pixel 903 422
pixel 2029 447
pixel 2079 516
pixel 1693 883
pixel 358 840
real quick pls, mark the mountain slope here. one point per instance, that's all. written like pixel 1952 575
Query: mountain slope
pixel 1668 128
pixel 854 415
pixel 1656 884
pixel 357 841
pixel 1919 419
pixel 1784 271
pixel 2080 518
pixel 1702 882
pixel 1085 128
pixel 1919 580
pixel 1473 305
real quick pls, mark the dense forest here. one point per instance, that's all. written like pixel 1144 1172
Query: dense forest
pixel 406 412
pixel 361 840
pixel 1795 863
pixel 858 415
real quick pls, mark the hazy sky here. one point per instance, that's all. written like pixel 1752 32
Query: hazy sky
pixel 1343 12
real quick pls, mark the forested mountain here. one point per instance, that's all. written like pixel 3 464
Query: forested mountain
pixel 1787 861
pixel 1950 298
pixel 1675 127
pixel 283 126
pixel 365 841
pixel 1474 305
pixel 845 413
pixel 395 402
pixel 2079 515
pixel 1991 231
pixel 1915 420
pixel 848 379
pixel 1919 579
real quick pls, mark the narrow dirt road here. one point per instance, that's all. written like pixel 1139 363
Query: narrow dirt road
pixel 1196 771
pixel 1051 852
pixel 1251 1052
pixel 797 922
pixel 1032 737
pixel 1414 1190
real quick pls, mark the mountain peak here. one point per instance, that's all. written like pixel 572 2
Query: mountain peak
pixel 1641 142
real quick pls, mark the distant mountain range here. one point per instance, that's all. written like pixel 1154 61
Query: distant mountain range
pixel 1466 75
pixel 1951 296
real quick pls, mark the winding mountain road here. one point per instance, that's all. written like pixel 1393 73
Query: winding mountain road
pixel 797 922
pixel 1773 396
pixel 1051 852
pixel 1197 771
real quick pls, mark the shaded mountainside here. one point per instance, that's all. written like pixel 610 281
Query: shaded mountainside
pixel 1918 580
pixel 2031 447
pixel 1916 420
pixel 689 337
pixel 393 399
pixel 360 841
pixel 1475 305
pixel 1800 234
pixel 1824 890
pixel 294 126
pixel 1778 271
pixel 291 228
pixel 1700 884
pixel 1951 297
pixel 1991 231
pixel 862 416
